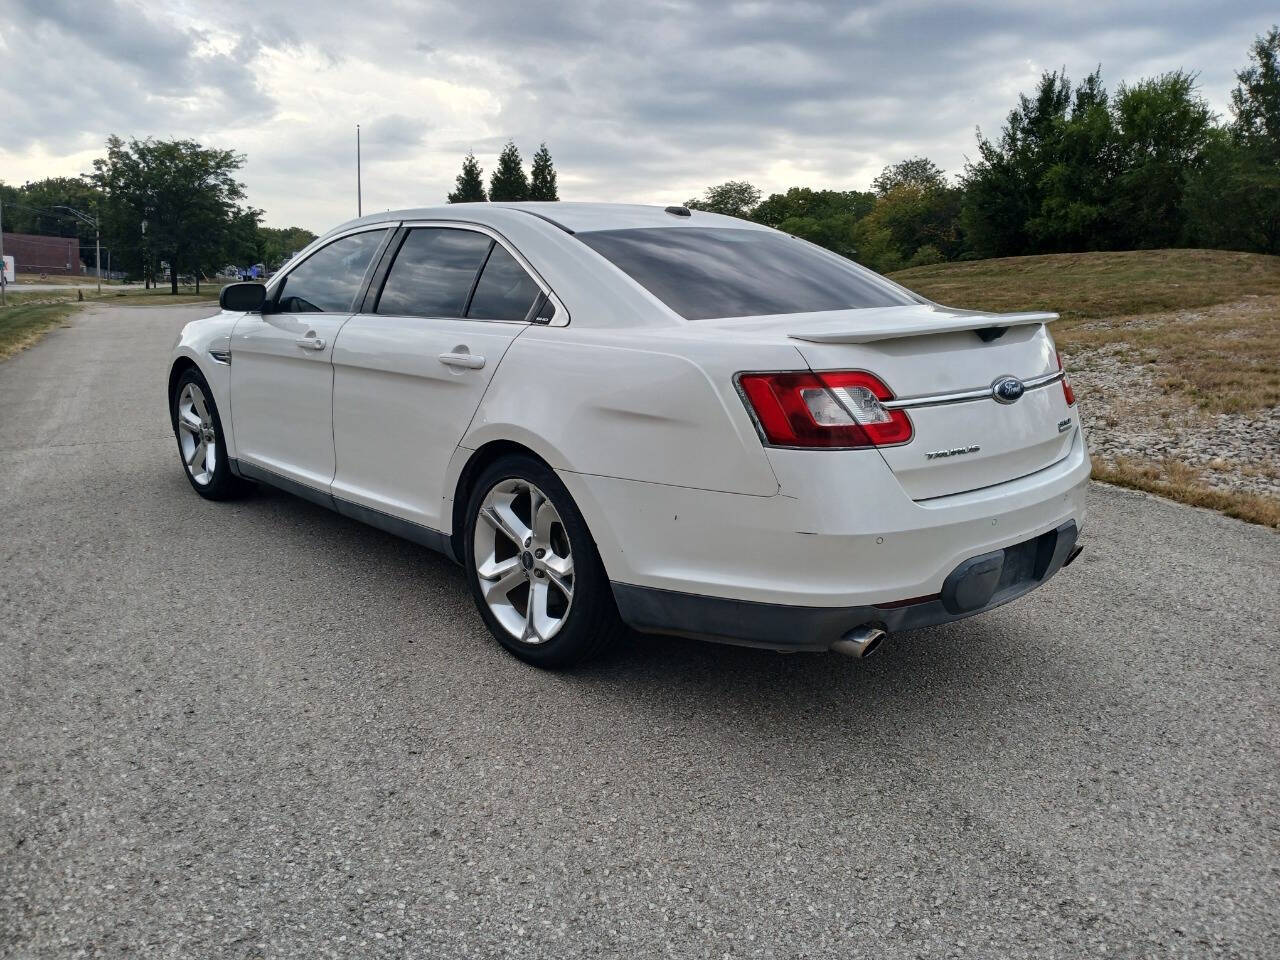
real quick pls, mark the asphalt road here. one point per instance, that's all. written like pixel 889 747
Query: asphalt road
pixel 262 730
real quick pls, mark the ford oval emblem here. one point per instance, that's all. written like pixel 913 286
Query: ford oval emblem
pixel 1007 390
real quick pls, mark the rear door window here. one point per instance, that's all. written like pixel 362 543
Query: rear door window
pixel 708 272
pixel 434 273
pixel 505 291
pixel 329 279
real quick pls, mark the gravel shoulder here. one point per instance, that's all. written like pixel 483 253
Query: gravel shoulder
pixel 262 730
pixel 1140 405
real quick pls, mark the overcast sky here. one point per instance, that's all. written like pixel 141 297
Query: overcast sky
pixel 638 101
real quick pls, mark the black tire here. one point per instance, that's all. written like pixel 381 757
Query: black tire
pixel 222 483
pixel 591 625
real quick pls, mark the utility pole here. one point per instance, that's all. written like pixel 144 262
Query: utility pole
pixel 359 199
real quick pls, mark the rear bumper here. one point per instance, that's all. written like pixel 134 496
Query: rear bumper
pixel 840 533
pixel 976 585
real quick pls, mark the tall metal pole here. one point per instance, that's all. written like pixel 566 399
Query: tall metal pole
pixel 97 254
pixel 359 199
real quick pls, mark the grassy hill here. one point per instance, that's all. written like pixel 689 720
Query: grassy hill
pixel 1088 285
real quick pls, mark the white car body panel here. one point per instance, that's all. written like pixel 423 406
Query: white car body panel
pixel 283 394
pixel 399 412
pixel 637 411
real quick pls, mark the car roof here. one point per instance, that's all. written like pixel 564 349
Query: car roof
pixel 572 217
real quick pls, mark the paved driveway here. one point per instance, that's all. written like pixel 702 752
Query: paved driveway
pixel 262 730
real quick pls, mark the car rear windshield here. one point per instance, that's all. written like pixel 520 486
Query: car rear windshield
pixel 703 273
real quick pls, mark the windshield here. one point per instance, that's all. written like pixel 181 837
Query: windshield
pixel 703 273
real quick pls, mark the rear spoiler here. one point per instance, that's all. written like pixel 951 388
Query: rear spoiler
pixel 988 326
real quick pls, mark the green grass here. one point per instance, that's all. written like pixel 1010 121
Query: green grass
pixel 21 326
pixel 30 315
pixel 161 297
pixel 1090 285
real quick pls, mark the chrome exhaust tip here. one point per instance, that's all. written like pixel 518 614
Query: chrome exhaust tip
pixel 860 642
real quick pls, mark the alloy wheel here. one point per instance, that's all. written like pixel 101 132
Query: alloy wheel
pixel 523 561
pixel 197 438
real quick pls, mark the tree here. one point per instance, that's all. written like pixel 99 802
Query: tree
pixel 1162 128
pixel 824 217
pixel 919 172
pixel 1078 183
pixel 1255 102
pixel 733 198
pixel 542 176
pixel 1233 200
pixel 470 182
pixel 509 181
pixel 275 245
pixel 907 219
pixel 32 208
pixel 188 195
pixel 1004 188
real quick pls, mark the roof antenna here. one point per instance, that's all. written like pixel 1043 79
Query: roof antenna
pixel 678 211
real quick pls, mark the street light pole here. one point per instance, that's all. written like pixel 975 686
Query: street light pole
pixel 359 199
pixel 97 238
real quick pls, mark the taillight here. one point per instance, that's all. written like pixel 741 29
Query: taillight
pixel 841 409
pixel 1068 394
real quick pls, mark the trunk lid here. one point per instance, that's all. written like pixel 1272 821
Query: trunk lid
pixel 931 357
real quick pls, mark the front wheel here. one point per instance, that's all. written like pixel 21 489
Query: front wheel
pixel 201 444
pixel 533 568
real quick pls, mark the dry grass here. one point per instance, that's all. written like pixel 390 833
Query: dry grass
pixel 21 326
pixel 1087 285
pixel 1222 359
pixel 1180 482
pixel 62 279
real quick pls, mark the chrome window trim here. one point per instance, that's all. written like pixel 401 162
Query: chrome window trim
pixel 966 396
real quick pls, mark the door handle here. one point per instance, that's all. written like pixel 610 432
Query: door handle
pixel 310 343
pixel 468 360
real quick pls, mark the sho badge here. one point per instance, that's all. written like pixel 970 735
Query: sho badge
pixel 953 452
pixel 1064 425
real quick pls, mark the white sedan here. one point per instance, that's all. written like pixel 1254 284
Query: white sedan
pixel 641 416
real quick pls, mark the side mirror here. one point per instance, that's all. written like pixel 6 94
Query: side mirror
pixel 242 297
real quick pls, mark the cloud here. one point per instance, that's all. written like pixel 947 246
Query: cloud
pixel 648 102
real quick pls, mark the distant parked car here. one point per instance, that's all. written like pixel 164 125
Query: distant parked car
pixel 672 420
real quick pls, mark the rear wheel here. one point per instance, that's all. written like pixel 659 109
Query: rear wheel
pixel 201 445
pixel 533 568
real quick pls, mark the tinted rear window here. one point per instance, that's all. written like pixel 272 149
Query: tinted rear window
pixel 505 291
pixel 704 273
pixel 433 273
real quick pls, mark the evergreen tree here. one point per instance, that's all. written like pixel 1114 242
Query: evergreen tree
pixel 509 181
pixel 470 182
pixel 542 185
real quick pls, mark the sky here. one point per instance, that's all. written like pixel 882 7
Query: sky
pixel 646 101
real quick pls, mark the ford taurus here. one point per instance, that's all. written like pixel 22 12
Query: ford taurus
pixel 637 416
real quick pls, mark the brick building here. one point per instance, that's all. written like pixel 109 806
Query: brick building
pixel 35 254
